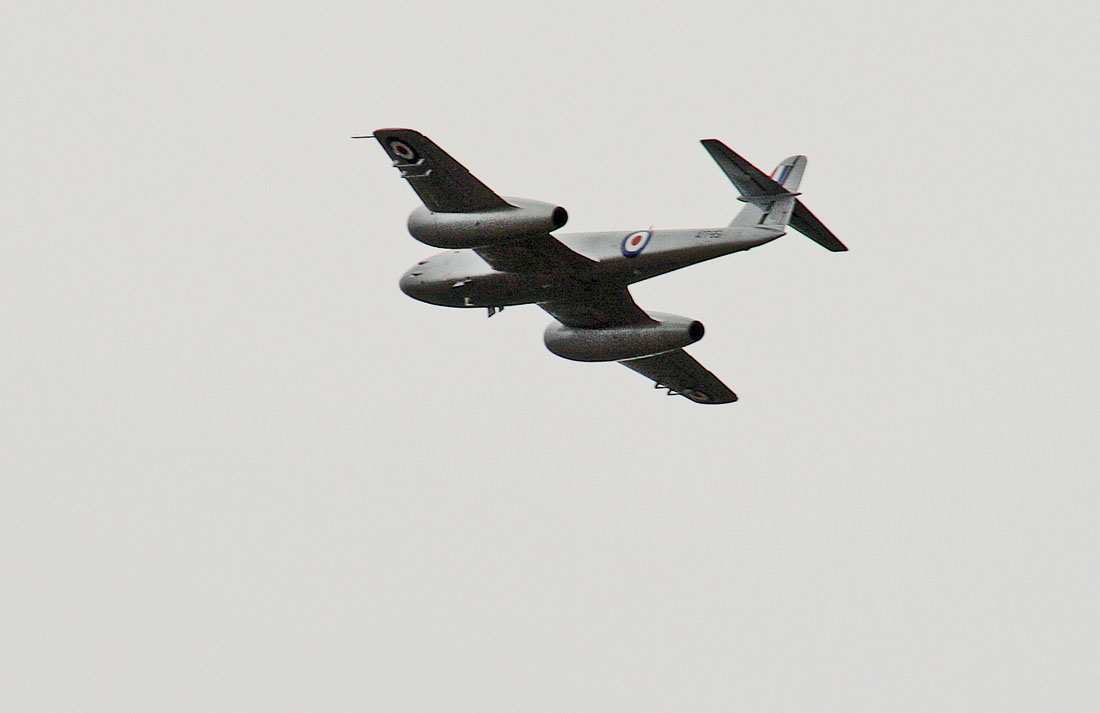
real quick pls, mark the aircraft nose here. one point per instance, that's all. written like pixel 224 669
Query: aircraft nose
pixel 409 282
pixel 415 285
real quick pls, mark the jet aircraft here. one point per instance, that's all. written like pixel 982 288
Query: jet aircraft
pixel 500 252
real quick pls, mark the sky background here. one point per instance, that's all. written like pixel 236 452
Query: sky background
pixel 242 471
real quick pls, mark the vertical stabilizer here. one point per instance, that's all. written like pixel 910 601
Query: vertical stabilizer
pixel 766 211
pixel 789 173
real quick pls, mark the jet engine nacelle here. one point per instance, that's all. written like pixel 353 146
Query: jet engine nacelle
pixel 617 343
pixel 472 230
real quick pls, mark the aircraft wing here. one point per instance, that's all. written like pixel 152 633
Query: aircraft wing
pixel 674 370
pixel 445 186
pixel 678 372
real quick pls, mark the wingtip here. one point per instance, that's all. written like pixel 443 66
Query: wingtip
pixel 392 129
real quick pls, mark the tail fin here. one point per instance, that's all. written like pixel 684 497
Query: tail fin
pixel 769 211
pixel 789 173
pixel 772 200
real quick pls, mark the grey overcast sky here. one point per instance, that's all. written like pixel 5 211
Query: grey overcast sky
pixel 242 472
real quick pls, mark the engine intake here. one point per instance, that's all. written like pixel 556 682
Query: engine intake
pixel 617 343
pixel 473 230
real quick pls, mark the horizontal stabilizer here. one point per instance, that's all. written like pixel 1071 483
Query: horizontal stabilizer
pixel 749 180
pixel 807 223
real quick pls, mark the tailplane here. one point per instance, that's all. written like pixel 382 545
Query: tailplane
pixel 772 200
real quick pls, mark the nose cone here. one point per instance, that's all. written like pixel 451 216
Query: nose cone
pixel 411 283
pixel 416 284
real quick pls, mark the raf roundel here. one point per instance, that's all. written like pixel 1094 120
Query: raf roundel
pixel 635 243
pixel 402 150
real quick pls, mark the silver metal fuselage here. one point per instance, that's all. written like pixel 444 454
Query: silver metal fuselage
pixel 460 278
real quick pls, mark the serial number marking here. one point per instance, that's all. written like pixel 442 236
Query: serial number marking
pixel 709 234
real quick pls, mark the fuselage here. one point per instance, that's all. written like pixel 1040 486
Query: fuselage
pixel 460 278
